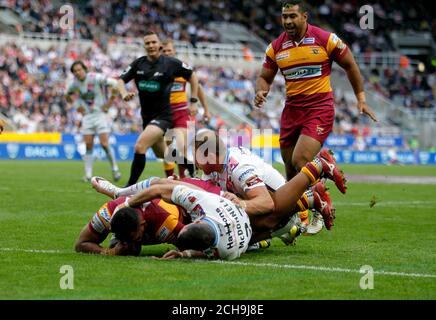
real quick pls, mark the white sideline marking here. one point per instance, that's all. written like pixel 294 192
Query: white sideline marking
pixel 387 203
pixel 31 250
pixel 267 265
pixel 320 268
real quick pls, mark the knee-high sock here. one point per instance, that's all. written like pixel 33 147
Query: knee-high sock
pixel 88 159
pixel 137 167
pixel 111 157
pixel 169 168
pixel 135 188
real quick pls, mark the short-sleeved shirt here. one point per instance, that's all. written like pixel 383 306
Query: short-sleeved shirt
pixel 154 81
pixel 164 220
pixel 203 184
pixel 91 91
pixel 243 171
pixel 306 66
pixel 230 222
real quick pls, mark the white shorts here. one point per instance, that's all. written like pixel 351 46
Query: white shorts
pixel 95 123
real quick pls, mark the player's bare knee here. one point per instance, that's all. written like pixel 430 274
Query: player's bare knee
pixel 140 148
pixel 300 161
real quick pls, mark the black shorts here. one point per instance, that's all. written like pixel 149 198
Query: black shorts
pixel 163 122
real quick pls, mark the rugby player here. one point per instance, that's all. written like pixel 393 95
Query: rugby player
pixel 154 222
pixel 88 88
pixel 250 178
pixel 181 112
pixel 304 54
pixel 221 228
pixel 154 75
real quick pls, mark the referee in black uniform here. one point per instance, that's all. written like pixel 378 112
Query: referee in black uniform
pixel 154 75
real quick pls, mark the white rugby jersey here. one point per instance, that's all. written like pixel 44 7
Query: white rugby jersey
pixel 230 222
pixel 243 171
pixel 91 91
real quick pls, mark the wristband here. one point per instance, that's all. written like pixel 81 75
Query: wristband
pixel 193 100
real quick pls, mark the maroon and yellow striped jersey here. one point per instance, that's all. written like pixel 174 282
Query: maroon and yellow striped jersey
pixel 164 220
pixel 306 66
pixel 178 97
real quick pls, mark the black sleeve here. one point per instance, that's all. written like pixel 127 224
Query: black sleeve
pixel 129 73
pixel 182 69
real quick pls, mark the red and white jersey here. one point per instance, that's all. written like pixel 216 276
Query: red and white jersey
pixel 91 91
pixel 229 221
pixel 243 171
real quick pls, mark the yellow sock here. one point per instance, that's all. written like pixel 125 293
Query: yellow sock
pixel 169 168
pixel 304 216
pixel 169 165
pixel 303 203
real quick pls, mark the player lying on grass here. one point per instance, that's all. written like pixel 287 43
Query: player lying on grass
pixel 221 228
pixel 254 177
pixel 254 181
pixel 152 223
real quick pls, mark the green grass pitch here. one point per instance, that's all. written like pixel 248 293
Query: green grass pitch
pixel 44 205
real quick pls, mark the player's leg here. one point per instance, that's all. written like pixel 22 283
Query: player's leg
pixel 305 150
pixel 160 148
pixel 290 129
pixel 181 135
pixel 104 141
pixel 287 196
pixel 88 157
pixel 146 139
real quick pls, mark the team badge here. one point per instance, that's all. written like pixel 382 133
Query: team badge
pixel 319 130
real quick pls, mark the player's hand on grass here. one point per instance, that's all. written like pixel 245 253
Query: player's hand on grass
pixel 129 96
pixel 172 254
pixel 260 98
pixel 365 109
pixel 120 249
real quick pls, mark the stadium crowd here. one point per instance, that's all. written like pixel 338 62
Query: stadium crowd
pixel 129 18
pixel 24 70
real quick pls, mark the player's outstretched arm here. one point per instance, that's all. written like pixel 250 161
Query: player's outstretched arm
pixel 193 81
pixel 354 76
pixel 89 242
pixel 203 101
pixel 259 201
pixel 175 254
pixel 121 86
pixel 163 190
pixel 263 84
